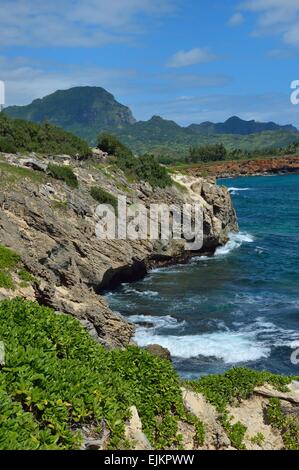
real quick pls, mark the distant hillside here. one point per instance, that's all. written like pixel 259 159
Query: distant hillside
pixel 87 111
pixel 82 110
pixel 17 135
pixel 235 125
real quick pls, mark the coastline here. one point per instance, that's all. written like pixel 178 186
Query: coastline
pixel 253 167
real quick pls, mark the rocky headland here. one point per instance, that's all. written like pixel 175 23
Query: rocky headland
pixel 253 167
pixel 77 393
pixel 52 227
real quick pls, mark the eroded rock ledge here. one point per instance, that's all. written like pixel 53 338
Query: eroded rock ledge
pixel 52 227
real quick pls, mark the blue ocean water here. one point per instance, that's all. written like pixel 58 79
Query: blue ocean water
pixel 240 307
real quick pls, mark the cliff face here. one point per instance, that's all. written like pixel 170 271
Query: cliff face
pixel 52 227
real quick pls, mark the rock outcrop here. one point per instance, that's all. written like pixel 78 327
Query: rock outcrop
pixel 256 167
pixel 52 227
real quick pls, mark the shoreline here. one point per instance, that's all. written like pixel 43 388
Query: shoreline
pixel 259 167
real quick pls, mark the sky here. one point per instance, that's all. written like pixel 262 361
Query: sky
pixel 185 60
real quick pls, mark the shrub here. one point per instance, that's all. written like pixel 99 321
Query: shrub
pixel 148 169
pixel 63 173
pixel 8 261
pixel 145 168
pixel 7 145
pixel 24 136
pixel 103 197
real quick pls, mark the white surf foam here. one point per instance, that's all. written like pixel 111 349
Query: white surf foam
pixel 158 322
pixel 235 241
pixel 238 189
pixel 144 293
pixel 231 347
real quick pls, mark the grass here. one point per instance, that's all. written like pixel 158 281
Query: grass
pixel 9 260
pixel 10 174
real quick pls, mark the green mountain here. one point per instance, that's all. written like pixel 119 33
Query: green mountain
pixel 84 111
pixel 235 125
pixel 87 111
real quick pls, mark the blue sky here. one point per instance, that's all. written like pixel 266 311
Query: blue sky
pixel 186 60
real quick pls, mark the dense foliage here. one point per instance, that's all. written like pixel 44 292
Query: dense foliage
pixel 23 136
pixel 56 379
pixel 207 153
pixel 63 173
pixel 145 168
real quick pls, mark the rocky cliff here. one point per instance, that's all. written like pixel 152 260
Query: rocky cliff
pixel 52 227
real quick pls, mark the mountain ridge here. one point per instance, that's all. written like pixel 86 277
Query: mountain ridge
pixel 87 111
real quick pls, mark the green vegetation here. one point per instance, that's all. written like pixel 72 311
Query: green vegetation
pixel 103 197
pixel 84 111
pixel 23 136
pixel 11 174
pixel 63 173
pixel 56 379
pixel 145 168
pixel 208 153
pixel 287 425
pixel 235 385
pixel 258 439
pixel 9 260
pixel 26 277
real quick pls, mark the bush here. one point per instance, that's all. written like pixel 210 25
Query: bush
pixel 24 136
pixel 63 173
pixel 7 145
pixel 148 169
pixel 110 144
pixel 103 197
pixel 145 168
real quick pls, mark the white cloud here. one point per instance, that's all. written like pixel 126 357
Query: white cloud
pixel 192 57
pixel 26 80
pixel 236 19
pixel 74 22
pixel 276 17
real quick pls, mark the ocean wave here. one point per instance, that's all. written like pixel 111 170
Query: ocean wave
pixel 235 241
pixel 238 189
pixel 141 293
pixel 229 346
pixel 161 323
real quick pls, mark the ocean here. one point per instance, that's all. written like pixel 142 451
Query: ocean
pixel 238 308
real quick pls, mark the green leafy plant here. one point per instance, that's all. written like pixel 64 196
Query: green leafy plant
pixel 103 197
pixel 258 439
pixel 57 377
pixel 63 173
pixel 287 425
